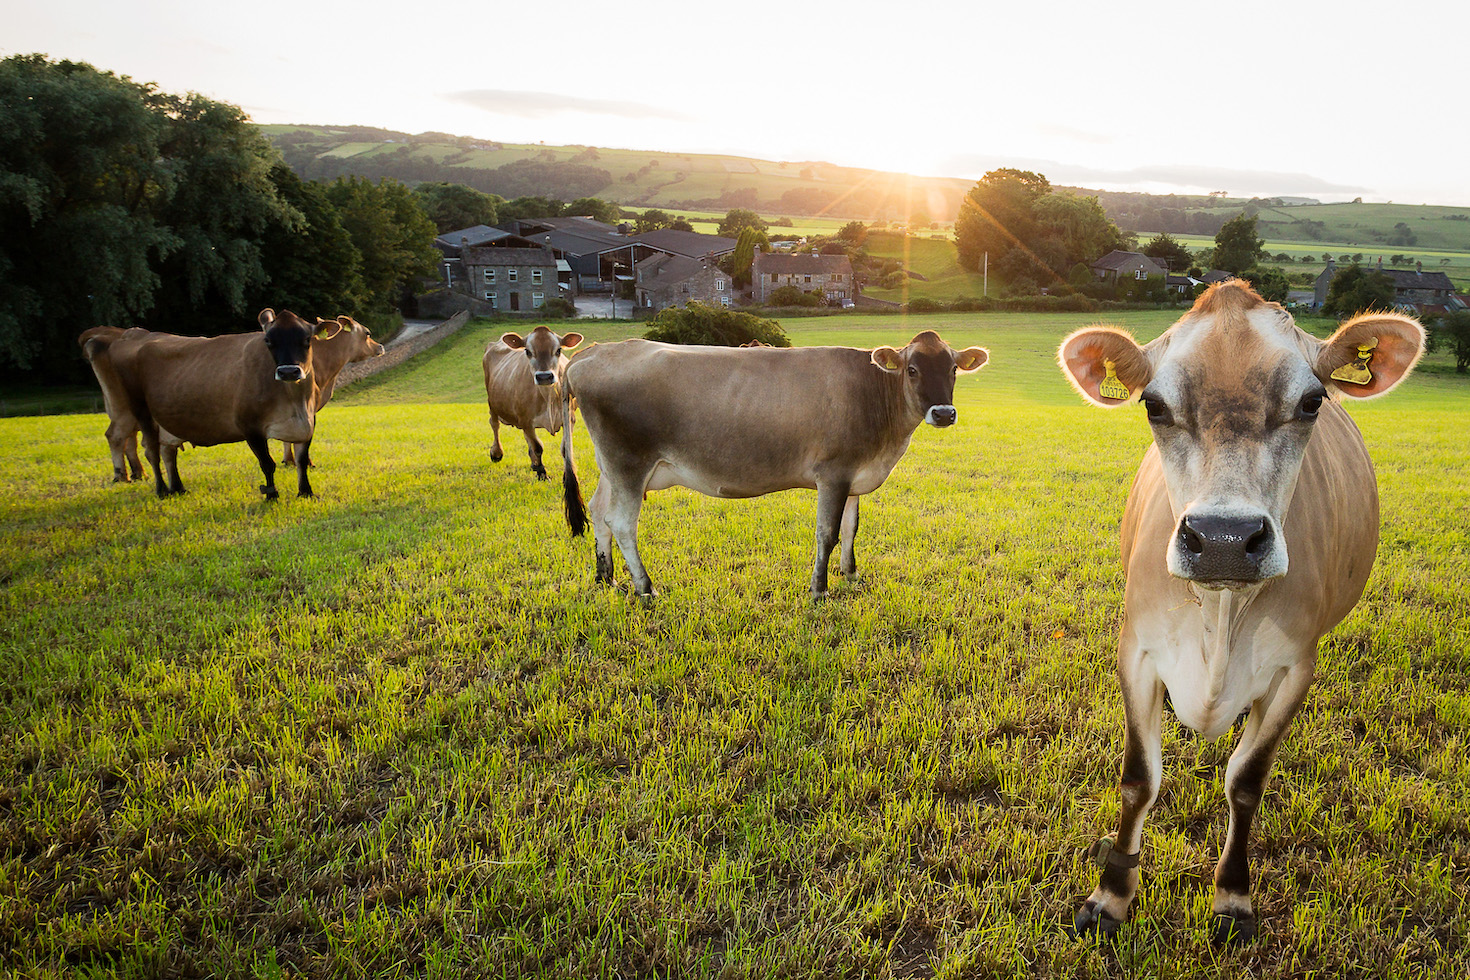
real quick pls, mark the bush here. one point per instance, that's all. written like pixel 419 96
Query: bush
pixel 559 308
pixel 714 326
pixel 793 296
pixel 925 305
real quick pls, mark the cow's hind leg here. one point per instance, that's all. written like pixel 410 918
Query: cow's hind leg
pixel 262 450
pixel 288 456
pixel 151 452
pixel 849 533
pixel 602 535
pixel 533 448
pixel 1245 784
pixel 831 505
pixel 118 437
pixel 303 463
pixel 496 453
pixel 130 452
pixel 1138 788
pixel 170 452
pixel 624 503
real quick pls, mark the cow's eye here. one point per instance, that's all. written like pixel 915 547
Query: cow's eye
pixel 1310 406
pixel 913 371
pixel 1158 412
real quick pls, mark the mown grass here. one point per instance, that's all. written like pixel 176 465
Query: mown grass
pixel 396 730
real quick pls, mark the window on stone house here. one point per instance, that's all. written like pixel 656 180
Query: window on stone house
pixel 774 280
pixel 808 278
pixel 511 274
pixel 1139 274
pixel 720 285
pixel 489 276
pixel 490 297
pixel 537 300
pixel 836 277
pixel 535 277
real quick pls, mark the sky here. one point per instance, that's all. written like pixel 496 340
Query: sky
pixel 1324 100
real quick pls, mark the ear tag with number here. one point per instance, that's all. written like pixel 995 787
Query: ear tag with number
pixel 1111 387
pixel 1356 371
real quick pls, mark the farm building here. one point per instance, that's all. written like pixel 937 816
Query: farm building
pixel 1126 265
pixel 1415 289
pixel 674 280
pixel 510 280
pixel 809 272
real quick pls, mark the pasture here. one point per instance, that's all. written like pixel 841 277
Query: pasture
pixel 396 731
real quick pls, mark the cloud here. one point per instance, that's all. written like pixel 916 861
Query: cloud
pixel 1177 175
pixel 534 105
pixel 1076 135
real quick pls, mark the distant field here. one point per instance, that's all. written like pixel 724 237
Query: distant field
pixel 396 731
pixel 1457 267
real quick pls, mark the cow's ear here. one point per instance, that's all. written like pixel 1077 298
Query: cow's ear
pixel 347 322
pixel 266 318
pixel 327 329
pixel 972 359
pixel 570 340
pixel 1105 365
pixel 512 340
pixel 1370 354
pixel 888 359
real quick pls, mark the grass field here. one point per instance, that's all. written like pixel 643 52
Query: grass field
pixel 396 731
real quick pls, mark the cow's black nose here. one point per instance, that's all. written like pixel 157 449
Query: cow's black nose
pixel 1224 548
pixel 943 415
pixel 545 377
pixel 289 372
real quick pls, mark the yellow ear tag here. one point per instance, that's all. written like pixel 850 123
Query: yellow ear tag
pixel 1356 372
pixel 1111 387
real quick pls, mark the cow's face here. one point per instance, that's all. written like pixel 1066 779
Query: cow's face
pixel 288 338
pixel 1232 393
pixel 543 348
pixel 928 367
pixel 362 344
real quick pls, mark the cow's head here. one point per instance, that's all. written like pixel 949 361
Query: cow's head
pixel 288 338
pixel 1232 392
pixel 543 348
pixel 362 344
pixel 928 367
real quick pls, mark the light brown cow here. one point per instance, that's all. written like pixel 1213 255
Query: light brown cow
pixel 520 387
pixel 122 427
pixel 743 422
pixel 329 356
pixel 1249 533
pixel 211 390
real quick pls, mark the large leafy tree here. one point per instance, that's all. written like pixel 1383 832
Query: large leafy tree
pixel 744 255
pixel 652 220
pixel 1237 246
pixel 312 268
pixel 997 214
pixel 595 208
pixel 1164 246
pixel 455 206
pixel 1072 229
pixel 391 232
pixel 1356 289
pixel 529 207
pixel 738 219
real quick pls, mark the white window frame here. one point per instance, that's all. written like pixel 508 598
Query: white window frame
pixel 720 285
pixel 511 275
pixel 538 300
pixel 535 277
pixel 489 277
pixel 490 297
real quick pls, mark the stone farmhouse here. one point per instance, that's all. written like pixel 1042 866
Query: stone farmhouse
pixel 829 274
pixel 1127 265
pixel 510 280
pixel 666 280
pixel 1413 289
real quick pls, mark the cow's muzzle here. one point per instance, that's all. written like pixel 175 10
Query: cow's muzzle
pixel 1224 551
pixel 941 416
pixel 545 377
pixel 290 372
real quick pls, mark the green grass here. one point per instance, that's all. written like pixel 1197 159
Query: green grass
pixel 397 731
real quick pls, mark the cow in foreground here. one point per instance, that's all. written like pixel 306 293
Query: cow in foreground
pixel 732 422
pixel 520 387
pixel 329 356
pixel 210 390
pixel 1249 533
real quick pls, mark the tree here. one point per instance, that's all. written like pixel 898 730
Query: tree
pixel 679 224
pixel 1270 282
pixel 391 231
pixel 595 208
pixel 997 214
pixel 652 220
pixel 529 207
pixel 853 233
pixel 744 255
pixel 738 219
pixel 1355 289
pixel 1171 250
pixel 1453 330
pixel 312 269
pixel 1072 229
pixel 1237 246
pixel 454 206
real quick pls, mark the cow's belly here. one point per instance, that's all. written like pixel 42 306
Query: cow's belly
pixel 731 484
pixel 1180 651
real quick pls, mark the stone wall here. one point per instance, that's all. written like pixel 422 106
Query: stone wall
pixel 399 353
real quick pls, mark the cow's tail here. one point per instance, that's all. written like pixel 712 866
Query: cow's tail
pixel 572 502
pixel 96 341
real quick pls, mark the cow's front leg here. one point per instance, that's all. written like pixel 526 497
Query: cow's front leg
pixel 1138 787
pixel 303 463
pixel 849 533
pixel 1245 784
pixel 170 453
pixel 151 452
pixel 533 449
pixel 262 451
pixel 831 502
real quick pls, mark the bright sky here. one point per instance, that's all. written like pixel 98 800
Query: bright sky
pixel 1331 100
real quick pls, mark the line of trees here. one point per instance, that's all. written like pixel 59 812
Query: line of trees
pixel 124 205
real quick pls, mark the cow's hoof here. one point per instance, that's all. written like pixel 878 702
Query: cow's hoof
pixel 541 475
pixel 305 493
pixel 270 493
pixel 1093 921
pixel 496 457
pixel 1230 930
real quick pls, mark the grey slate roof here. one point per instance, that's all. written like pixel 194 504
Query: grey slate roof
pixel 661 270
pixel 491 255
pixel 474 235
pixel 1117 259
pixel 800 263
pixel 688 243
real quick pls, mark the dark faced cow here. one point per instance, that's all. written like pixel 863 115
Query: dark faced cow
pixel 1249 533
pixel 211 390
pixel 329 355
pixel 733 422
pixel 520 387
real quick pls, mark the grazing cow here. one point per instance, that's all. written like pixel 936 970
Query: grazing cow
pixel 1248 534
pixel 329 356
pixel 521 390
pixel 742 423
pixel 211 390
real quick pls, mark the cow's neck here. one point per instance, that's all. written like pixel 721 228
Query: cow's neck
pixel 1223 613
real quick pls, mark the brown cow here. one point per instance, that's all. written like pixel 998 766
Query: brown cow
pixel 122 427
pixel 521 390
pixel 733 422
pixel 212 390
pixel 1249 533
pixel 329 356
